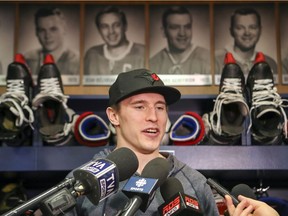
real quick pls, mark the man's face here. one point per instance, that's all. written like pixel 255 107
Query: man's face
pixel 50 32
pixel 246 31
pixel 178 32
pixel 142 122
pixel 112 29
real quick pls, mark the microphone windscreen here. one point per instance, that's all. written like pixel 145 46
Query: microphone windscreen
pixel 158 168
pixel 171 187
pixel 126 162
pixel 243 189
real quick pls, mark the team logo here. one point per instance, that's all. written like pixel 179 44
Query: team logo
pixel 150 77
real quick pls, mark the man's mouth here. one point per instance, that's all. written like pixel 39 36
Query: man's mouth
pixel 112 38
pixel 151 130
pixel 247 39
pixel 48 43
pixel 182 40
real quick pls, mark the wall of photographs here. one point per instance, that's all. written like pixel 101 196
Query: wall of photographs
pixel 188 55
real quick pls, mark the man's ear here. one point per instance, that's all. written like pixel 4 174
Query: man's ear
pixel 112 116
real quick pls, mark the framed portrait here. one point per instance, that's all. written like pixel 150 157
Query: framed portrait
pixel 244 30
pixel 180 43
pixel 283 9
pixel 51 29
pixel 114 41
pixel 7 26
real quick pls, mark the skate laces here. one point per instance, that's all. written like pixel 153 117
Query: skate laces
pixel 50 87
pixel 231 91
pixel 16 95
pixel 265 93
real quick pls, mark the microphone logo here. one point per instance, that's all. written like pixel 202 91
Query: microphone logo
pixel 192 202
pixel 141 182
pixel 180 204
pixel 171 207
pixel 102 175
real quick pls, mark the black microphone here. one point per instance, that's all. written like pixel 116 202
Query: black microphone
pixel 243 189
pixel 96 179
pixel 100 179
pixel 32 203
pixel 222 190
pixel 240 189
pixel 141 189
pixel 176 202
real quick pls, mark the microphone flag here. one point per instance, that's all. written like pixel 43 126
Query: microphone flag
pixel 101 177
pixel 180 204
pixel 141 185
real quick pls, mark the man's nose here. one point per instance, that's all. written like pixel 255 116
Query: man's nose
pixel 151 115
pixel 182 31
pixel 246 31
pixel 111 29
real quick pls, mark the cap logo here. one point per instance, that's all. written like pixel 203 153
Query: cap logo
pixel 150 77
pixel 155 77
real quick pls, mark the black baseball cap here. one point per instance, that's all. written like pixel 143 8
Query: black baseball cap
pixel 140 81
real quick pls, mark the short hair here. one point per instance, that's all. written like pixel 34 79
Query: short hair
pixel 245 11
pixel 48 11
pixel 111 9
pixel 174 10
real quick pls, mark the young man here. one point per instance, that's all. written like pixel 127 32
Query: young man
pixel 138 110
pixel 117 54
pixel 181 56
pixel 245 28
pixel 51 33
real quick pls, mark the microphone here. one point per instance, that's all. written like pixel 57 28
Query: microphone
pixel 32 203
pixel 100 179
pixel 176 202
pixel 222 190
pixel 141 189
pixel 240 189
pixel 96 179
pixel 243 189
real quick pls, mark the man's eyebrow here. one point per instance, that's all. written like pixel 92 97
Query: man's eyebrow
pixel 144 101
pixel 137 102
pixel 161 102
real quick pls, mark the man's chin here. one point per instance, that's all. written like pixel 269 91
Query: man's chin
pixel 247 47
pixel 179 49
pixel 114 44
pixel 49 49
pixel 151 148
pixel 150 151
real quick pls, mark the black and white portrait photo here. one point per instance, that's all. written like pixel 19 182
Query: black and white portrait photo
pixel 284 41
pixel 180 43
pixel 244 30
pixel 51 29
pixel 7 26
pixel 114 41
